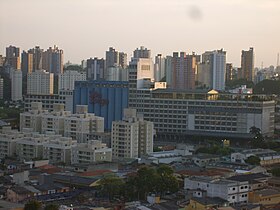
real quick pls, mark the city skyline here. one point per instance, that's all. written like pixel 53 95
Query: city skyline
pixel 125 25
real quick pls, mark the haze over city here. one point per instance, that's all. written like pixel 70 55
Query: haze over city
pixel 86 28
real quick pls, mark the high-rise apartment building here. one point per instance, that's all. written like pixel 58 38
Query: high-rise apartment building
pixel 1 88
pixel 159 69
pixel 229 72
pixel 66 81
pixel 53 60
pixel 247 64
pixel 16 85
pixel 145 72
pixel 123 59
pixel 2 60
pixel 40 82
pixel 27 62
pixel 132 137
pixel 142 52
pixel 217 61
pixel 183 71
pixel 13 57
pixel 37 53
pixel 114 59
pixel 168 70
pixel 204 75
pixel 95 68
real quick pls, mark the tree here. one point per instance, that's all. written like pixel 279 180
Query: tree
pixel 32 205
pixel 111 185
pixel 276 172
pixel 267 87
pixel 51 207
pixel 167 181
pixel 253 160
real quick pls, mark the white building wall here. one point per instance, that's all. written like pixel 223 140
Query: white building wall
pixel 66 81
pixel 40 82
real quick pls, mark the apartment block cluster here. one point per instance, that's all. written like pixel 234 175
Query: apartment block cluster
pixel 182 94
pixel 62 137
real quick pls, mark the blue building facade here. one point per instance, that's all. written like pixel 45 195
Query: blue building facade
pixel 104 98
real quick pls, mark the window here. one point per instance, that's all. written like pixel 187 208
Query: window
pixel 233 197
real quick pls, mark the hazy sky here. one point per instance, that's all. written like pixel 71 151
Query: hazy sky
pixel 86 28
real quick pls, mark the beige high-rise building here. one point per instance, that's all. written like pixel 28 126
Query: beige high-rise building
pixel 53 60
pixel 183 71
pixel 132 137
pixel 40 82
pixel 247 64
pixel 27 62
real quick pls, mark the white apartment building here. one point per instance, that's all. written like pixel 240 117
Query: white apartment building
pixel 16 85
pixel 132 137
pixel 66 81
pixel 116 73
pixel 40 82
pixel 93 151
pixel 81 126
pixel 53 122
pixel 32 120
pixel 232 191
pixel 58 149
pixel 8 139
pixel 31 147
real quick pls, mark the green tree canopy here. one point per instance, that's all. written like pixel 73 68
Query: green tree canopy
pixel 32 205
pixel 111 185
pixel 238 82
pixel 253 160
pixel 276 172
pixel 51 207
pixel 267 87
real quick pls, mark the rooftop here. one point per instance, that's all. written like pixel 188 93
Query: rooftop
pixel 249 177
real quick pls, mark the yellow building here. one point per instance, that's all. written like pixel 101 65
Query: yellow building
pixel 265 196
pixel 206 203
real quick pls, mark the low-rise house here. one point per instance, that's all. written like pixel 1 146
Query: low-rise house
pixel 203 160
pixel 74 181
pixel 232 191
pixel 265 196
pixel 18 193
pixel 256 181
pixel 206 203
pixel 274 182
pixel 267 156
pixel 239 168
